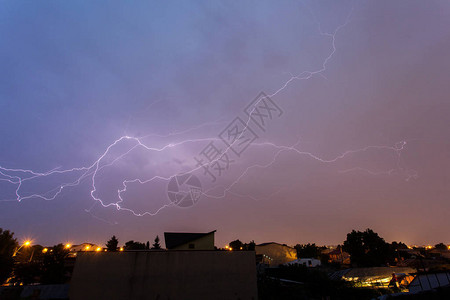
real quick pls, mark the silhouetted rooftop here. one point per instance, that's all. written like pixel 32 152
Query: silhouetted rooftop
pixel 174 239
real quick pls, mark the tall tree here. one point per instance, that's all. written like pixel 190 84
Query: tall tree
pixel 111 245
pixel 53 269
pixel 367 249
pixel 307 250
pixel 440 246
pixel 132 245
pixel 250 246
pixel 156 244
pixel 236 245
pixel 28 265
pixel 7 246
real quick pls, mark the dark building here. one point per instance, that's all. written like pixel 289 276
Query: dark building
pixel 189 241
pixel 136 275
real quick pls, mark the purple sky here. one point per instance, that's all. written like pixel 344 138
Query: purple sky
pixel 363 140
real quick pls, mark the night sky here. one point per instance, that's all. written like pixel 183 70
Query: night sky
pixel 359 136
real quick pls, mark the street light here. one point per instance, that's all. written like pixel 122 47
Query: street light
pixel 25 244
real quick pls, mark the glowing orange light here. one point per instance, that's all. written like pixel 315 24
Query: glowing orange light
pixel 68 246
pixel 98 249
pixel 44 250
pixel 121 249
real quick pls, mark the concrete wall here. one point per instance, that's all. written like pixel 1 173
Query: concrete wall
pixel 204 243
pixel 164 275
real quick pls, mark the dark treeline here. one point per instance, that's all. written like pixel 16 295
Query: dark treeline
pixel 27 263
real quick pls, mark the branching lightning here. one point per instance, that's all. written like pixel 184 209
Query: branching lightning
pixel 17 177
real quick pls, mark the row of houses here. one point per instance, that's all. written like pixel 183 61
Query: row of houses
pixel 190 258
pixel 281 254
pixel 274 254
pixel 271 254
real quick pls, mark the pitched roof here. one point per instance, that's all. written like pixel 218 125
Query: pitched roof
pixel 174 239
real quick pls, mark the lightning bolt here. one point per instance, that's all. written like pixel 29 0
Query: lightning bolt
pixel 396 149
pixel 18 177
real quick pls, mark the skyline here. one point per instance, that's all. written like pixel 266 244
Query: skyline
pixel 124 99
pixel 68 244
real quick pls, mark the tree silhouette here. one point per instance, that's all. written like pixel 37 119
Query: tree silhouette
pixel 440 246
pixel 27 272
pixel 111 245
pixel 398 245
pixel 250 246
pixel 367 249
pixel 132 245
pixel 236 245
pixel 7 246
pixel 156 244
pixel 307 251
pixel 53 269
